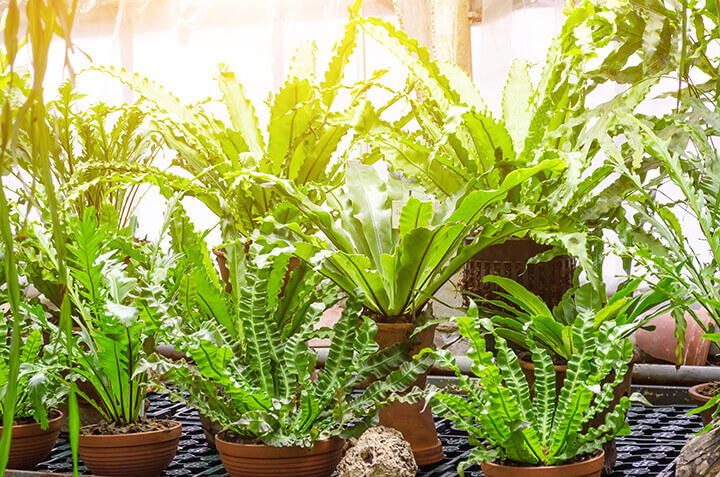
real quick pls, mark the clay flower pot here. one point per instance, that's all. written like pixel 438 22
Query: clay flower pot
pixel 416 425
pixel 700 398
pixel 587 468
pixel 31 444
pixel 661 342
pixel 257 460
pixel 142 454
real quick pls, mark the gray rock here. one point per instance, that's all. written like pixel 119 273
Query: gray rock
pixel 700 456
pixel 379 452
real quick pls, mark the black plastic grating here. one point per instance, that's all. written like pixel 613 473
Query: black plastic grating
pixel 658 434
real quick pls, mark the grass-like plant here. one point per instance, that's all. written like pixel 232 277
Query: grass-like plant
pixel 504 422
pixel 248 364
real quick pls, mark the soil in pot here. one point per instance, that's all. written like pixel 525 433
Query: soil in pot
pixel 31 444
pixel 243 459
pixel 143 449
pixel 701 394
pixel 416 425
pixel 590 465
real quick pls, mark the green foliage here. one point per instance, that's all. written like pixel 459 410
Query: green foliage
pixel 525 320
pixel 249 366
pixel 670 163
pixel 309 116
pixel 549 429
pixel 40 386
pixel 105 290
pixel 400 266
pixel 447 138
pixel 44 20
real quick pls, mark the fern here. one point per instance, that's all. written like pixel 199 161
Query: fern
pixel 262 373
pixel 499 415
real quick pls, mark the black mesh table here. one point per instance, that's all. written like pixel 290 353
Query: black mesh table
pixel 658 434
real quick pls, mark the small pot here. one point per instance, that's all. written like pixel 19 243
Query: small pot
pixel 142 454
pixel 588 468
pixel 416 425
pixel 31 444
pixel 701 399
pixel 257 460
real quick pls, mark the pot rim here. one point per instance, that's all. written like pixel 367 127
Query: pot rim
pixel 29 428
pixel 695 392
pixel 599 459
pixel 321 446
pixel 265 446
pixel 135 438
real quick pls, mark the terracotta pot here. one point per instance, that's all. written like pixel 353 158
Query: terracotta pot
pixel 143 454
pixel 660 343
pixel 549 280
pixel 257 460
pixel 31 444
pixel 701 399
pixel 588 468
pixel 417 426
pixel 623 389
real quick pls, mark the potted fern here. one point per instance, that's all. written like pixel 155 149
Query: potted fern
pixel 111 341
pixel 40 389
pixel 550 434
pixel 399 245
pixel 250 369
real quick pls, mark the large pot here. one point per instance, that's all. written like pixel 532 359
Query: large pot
pixel 549 280
pixel 587 468
pixel 623 389
pixel 141 454
pixel 257 460
pixel 701 399
pixel 416 425
pixel 31 444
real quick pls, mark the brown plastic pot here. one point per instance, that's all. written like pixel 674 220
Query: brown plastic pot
pixel 548 280
pixel 416 425
pixel 257 460
pixel 588 468
pixel 31 444
pixel 701 400
pixel 142 454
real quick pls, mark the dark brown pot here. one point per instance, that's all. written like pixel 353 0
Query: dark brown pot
pixel 417 426
pixel 31 444
pixel 623 389
pixel 587 468
pixel 210 429
pixel 701 400
pixel 549 280
pixel 143 454
pixel 257 460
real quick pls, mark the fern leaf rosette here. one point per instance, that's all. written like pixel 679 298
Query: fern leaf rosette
pixel 550 429
pixel 248 363
pixel 399 260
